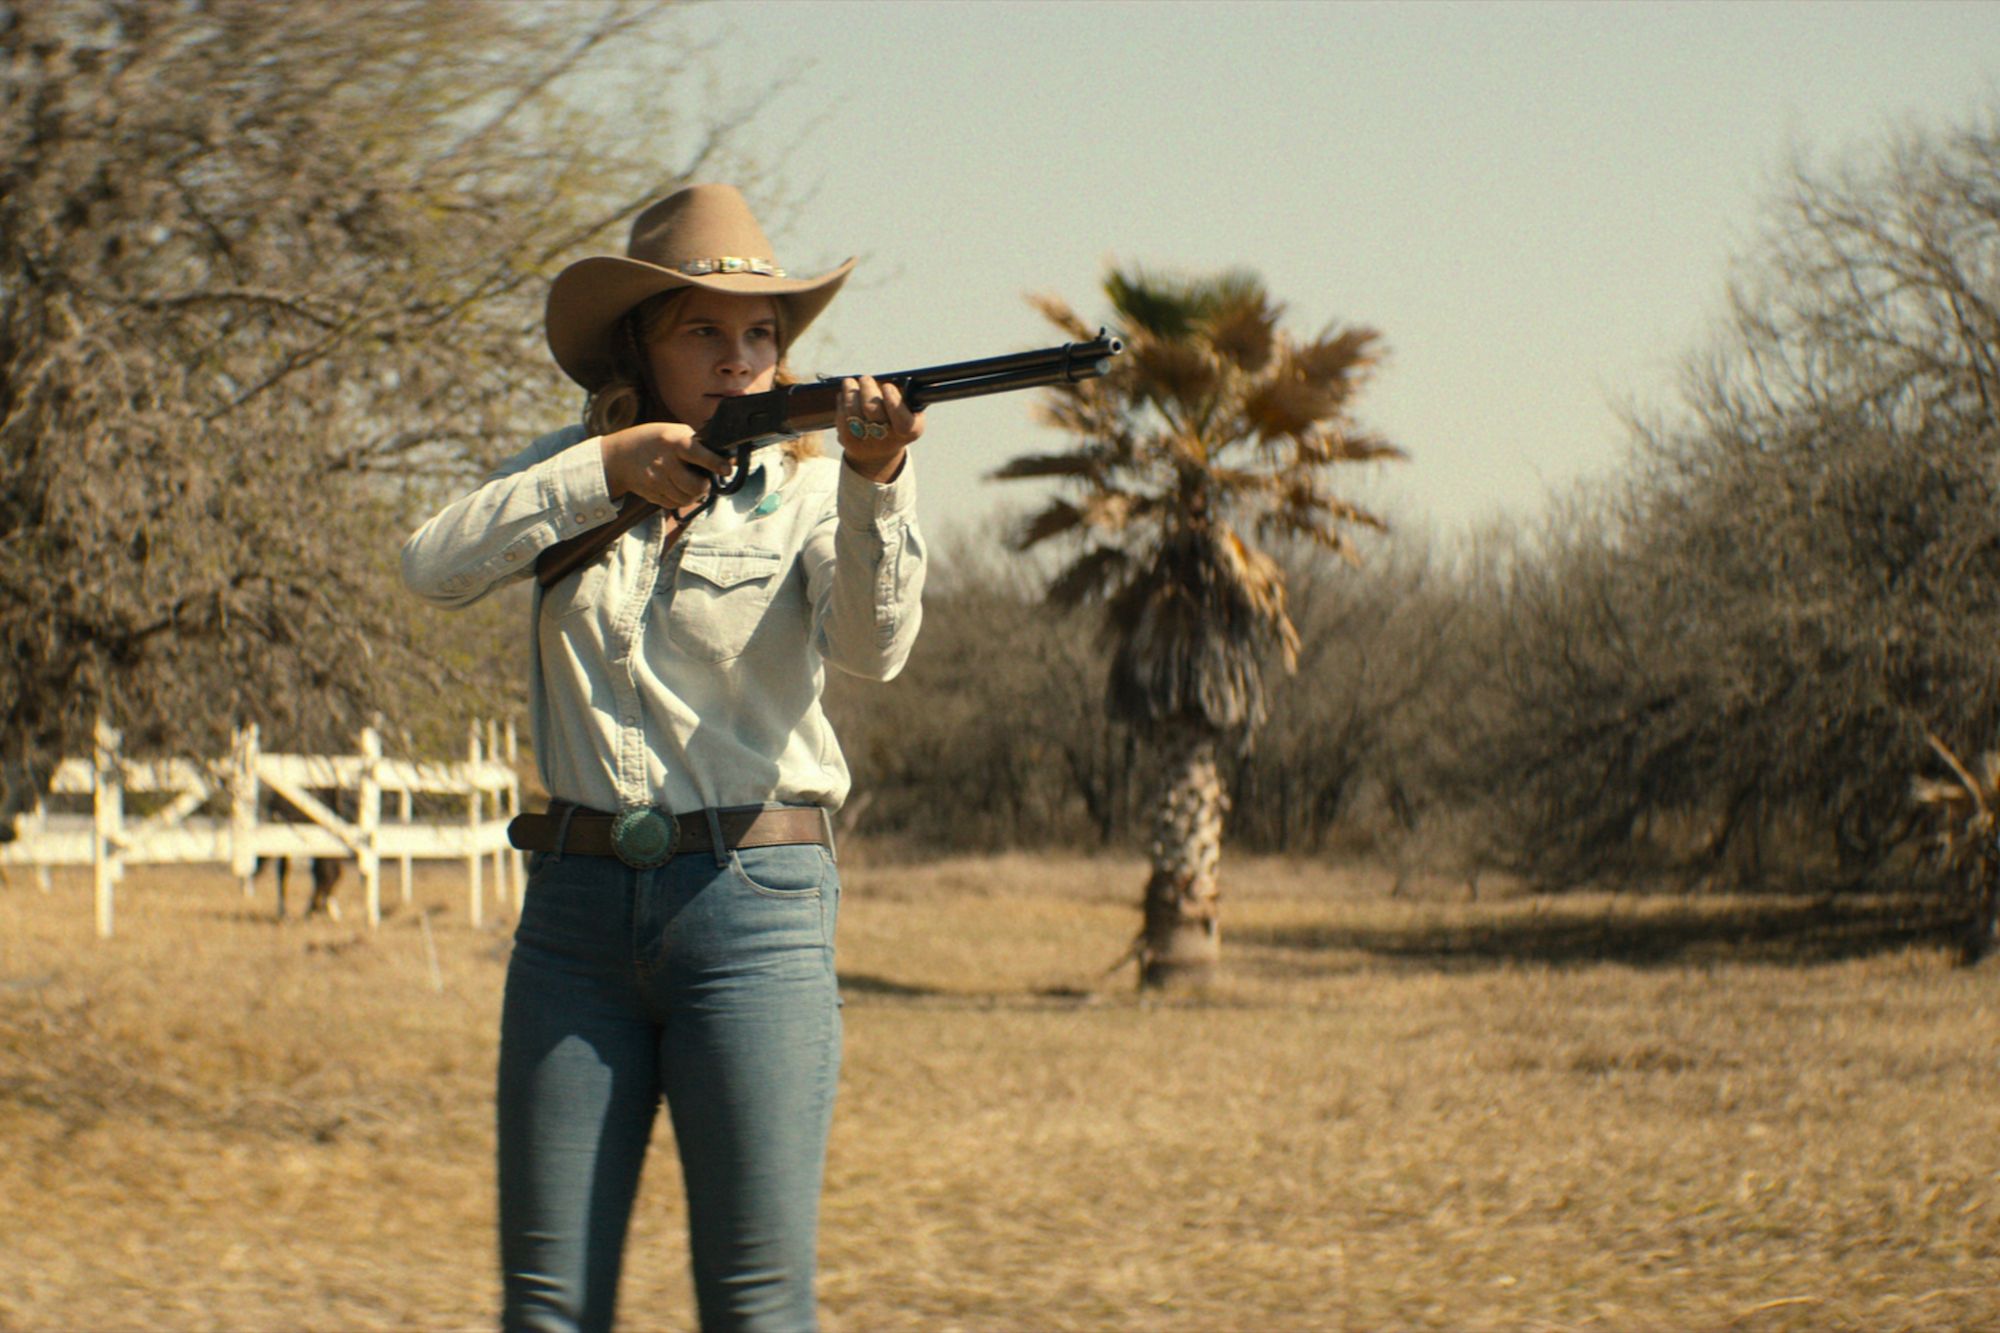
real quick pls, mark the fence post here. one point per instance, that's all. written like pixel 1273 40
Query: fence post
pixel 502 890
pixel 516 860
pixel 369 822
pixel 107 806
pixel 38 828
pixel 405 807
pixel 243 807
pixel 476 912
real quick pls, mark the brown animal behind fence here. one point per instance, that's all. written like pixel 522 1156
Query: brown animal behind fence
pixel 326 870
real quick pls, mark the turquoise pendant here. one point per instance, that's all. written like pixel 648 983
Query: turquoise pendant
pixel 767 505
pixel 644 838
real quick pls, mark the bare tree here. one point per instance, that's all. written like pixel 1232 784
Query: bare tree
pixel 266 270
pixel 1732 662
pixel 1874 295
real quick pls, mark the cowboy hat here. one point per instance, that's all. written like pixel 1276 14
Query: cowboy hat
pixel 698 236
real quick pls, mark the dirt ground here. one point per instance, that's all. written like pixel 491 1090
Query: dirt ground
pixel 1396 1111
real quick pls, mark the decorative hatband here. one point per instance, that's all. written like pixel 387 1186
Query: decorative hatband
pixel 700 268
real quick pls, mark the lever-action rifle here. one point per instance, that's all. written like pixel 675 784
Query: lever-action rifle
pixel 753 419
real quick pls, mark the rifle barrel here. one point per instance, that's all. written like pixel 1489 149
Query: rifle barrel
pixel 806 407
pixel 1070 355
pixel 923 395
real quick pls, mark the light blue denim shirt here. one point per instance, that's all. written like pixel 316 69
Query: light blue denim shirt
pixel 690 678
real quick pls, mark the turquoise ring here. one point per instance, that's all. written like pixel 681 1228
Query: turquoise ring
pixel 643 838
pixel 856 427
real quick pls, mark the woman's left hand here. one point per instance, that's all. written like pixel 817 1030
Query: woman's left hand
pixel 887 427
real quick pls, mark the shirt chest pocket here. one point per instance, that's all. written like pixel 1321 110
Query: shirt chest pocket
pixel 721 593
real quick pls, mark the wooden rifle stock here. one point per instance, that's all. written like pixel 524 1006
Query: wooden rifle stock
pixel 742 424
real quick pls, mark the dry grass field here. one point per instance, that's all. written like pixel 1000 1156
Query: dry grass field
pixel 1397 1112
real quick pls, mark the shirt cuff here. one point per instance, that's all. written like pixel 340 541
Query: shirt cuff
pixel 869 504
pixel 577 490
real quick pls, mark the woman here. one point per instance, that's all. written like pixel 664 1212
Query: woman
pixel 677 934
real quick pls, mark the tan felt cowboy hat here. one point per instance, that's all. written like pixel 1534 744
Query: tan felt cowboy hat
pixel 698 236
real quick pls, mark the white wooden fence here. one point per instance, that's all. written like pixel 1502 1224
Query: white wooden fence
pixel 317 786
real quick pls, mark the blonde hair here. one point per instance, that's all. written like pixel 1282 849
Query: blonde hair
pixel 628 398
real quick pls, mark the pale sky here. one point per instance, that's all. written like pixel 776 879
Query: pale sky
pixel 1537 204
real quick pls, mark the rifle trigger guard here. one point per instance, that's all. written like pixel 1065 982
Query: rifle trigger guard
pixel 736 482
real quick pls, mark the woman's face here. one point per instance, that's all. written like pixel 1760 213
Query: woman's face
pixel 713 345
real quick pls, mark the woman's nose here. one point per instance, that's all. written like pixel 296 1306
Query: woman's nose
pixel 735 358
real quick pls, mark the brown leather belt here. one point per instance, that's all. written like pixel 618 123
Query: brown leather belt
pixel 590 832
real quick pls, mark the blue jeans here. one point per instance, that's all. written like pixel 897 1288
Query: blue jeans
pixel 711 985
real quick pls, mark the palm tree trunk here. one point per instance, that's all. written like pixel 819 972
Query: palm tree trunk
pixel 1181 942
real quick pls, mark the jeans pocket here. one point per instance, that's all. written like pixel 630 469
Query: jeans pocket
pixel 794 870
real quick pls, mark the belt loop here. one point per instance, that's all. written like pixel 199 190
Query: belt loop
pixel 562 828
pixel 826 818
pixel 715 836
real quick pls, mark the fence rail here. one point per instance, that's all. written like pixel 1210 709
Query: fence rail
pixel 319 788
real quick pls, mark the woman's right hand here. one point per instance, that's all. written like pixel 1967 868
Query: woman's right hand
pixel 661 461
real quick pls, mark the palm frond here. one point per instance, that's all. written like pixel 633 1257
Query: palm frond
pixel 1328 530
pixel 1340 511
pixel 1075 463
pixel 1286 406
pixel 1059 313
pixel 1088 577
pixel 1181 370
pixel 1061 516
pixel 1302 500
pixel 1217 425
pixel 1228 485
pixel 1103 510
pixel 1260 581
pixel 1151 303
pixel 1110 510
pixel 1246 334
pixel 1342 545
pixel 1090 416
pixel 1331 443
pixel 1338 357
pixel 1190 626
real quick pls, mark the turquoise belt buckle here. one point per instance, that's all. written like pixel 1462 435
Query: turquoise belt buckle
pixel 643 838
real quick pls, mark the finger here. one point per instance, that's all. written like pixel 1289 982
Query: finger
pixel 901 419
pixel 872 406
pixel 659 486
pixel 852 421
pixel 694 475
pixel 688 484
pixel 708 460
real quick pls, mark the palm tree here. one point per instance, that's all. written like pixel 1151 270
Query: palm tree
pixel 1209 439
